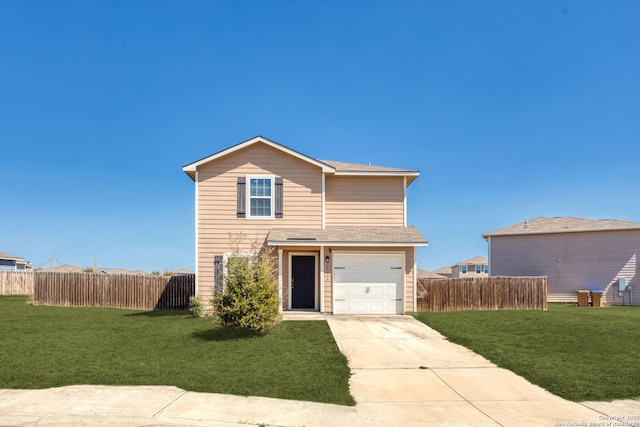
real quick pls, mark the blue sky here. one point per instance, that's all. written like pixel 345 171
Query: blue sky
pixel 510 110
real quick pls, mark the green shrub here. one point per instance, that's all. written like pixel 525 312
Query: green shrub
pixel 249 298
pixel 196 307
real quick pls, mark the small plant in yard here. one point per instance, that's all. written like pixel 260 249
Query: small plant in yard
pixel 196 307
pixel 249 298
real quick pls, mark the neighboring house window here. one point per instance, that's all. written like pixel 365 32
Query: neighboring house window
pixel 263 199
pixel 463 269
pixel 486 269
pixel 478 269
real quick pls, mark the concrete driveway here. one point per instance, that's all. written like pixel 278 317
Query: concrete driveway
pixel 403 374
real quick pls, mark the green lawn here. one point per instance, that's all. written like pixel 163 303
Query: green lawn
pixel 578 353
pixel 45 347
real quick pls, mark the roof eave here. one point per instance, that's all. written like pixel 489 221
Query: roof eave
pixel 343 244
pixel 583 230
pixel 410 175
pixel 191 168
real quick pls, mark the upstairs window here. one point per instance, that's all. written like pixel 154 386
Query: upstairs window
pixel 260 197
pixel 463 269
pixel 478 269
pixel 486 269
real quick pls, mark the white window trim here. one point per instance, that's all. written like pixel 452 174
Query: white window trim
pixel 225 257
pixel 464 269
pixel 478 269
pixel 248 196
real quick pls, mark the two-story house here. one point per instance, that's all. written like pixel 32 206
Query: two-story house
pixel 339 230
pixel 477 266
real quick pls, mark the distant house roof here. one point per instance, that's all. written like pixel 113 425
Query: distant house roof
pixel 183 272
pixel 328 166
pixel 16 259
pixel 424 274
pixel 8 257
pixel 371 236
pixel 476 260
pixel 443 271
pixel 565 224
pixel 66 268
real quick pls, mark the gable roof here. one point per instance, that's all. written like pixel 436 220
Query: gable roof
pixel 327 166
pixel 190 169
pixel 476 260
pixel 347 236
pixel 565 224
pixel 17 259
pixel 4 255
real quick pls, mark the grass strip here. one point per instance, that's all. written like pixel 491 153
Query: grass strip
pixel 578 353
pixel 46 347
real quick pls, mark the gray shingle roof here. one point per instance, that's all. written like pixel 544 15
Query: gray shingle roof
pixel 565 224
pixel 4 255
pixel 409 236
pixel 357 167
pixel 328 166
pixel 476 260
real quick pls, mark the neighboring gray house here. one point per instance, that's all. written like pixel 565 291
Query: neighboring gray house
pixel 13 263
pixel 477 266
pixel 574 253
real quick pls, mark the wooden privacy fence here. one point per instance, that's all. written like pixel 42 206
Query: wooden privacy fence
pixel 143 292
pixel 482 293
pixel 16 282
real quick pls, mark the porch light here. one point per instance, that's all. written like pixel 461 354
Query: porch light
pixel 327 258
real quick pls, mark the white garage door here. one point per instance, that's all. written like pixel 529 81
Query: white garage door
pixel 367 283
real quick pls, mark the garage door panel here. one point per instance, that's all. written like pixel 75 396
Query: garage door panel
pixel 365 283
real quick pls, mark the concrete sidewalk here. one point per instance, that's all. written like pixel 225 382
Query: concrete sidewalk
pixel 404 374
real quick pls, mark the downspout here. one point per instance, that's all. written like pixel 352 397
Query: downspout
pixel 489 254
pixel 404 209
pixel 415 279
pixel 323 199
pixel 280 251
pixel 197 236
pixel 321 267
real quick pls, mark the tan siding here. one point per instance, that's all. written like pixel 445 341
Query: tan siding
pixel 217 202
pixel 572 261
pixel 375 201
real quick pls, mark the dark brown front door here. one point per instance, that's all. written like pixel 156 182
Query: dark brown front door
pixel 303 273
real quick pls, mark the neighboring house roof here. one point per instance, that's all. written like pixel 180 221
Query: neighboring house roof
pixel 68 268
pixel 371 236
pixel 8 257
pixel 424 274
pixel 443 271
pixel 120 271
pixel 327 166
pixel 183 272
pixel 65 268
pixel 565 224
pixel 476 260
